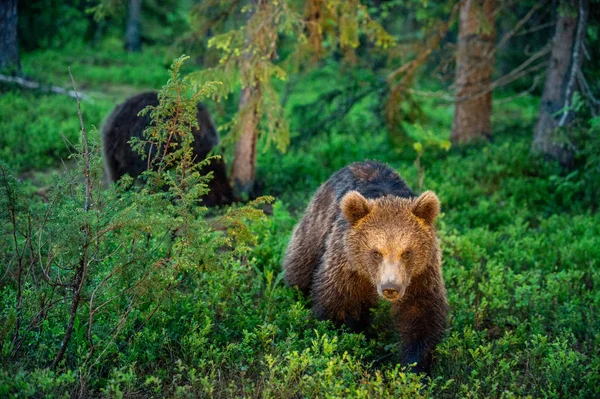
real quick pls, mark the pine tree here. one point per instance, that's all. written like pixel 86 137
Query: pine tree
pixel 249 57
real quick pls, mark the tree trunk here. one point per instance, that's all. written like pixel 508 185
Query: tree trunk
pixel 132 35
pixel 9 47
pixel 474 67
pixel 565 62
pixel 244 162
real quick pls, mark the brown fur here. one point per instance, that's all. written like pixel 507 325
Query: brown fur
pixel 366 236
pixel 120 159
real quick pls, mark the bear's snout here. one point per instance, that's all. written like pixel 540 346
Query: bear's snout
pixel 392 281
pixel 391 291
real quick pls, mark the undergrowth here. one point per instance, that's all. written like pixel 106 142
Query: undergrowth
pixel 192 309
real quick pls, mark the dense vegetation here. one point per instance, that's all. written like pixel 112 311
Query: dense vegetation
pixel 179 301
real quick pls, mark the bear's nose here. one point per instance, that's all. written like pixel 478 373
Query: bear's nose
pixel 391 291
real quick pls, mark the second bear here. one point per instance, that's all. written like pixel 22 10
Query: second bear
pixel 364 236
pixel 120 159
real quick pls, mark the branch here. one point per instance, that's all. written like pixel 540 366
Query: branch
pixel 35 322
pixel 86 152
pixel 411 66
pixel 575 64
pixel 487 58
pixel 78 281
pixel 30 84
pixel 79 278
pixel 535 28
pixel 113 334
pixel 518 72
pixel 536 80
pixel 515 29
pixel 587 93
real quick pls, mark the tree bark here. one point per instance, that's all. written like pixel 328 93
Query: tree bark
pixel 565 62
pixel 9 47
pixel 132 35
pixel 244 162
pixel 474 67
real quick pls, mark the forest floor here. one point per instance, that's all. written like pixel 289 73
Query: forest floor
pixel 521 253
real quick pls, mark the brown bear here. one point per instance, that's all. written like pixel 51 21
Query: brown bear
pixel 365 235
pixel 120 159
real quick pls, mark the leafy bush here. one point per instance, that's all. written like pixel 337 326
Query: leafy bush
pixel 89 269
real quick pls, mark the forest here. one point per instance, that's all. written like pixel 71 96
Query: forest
pixel 149 265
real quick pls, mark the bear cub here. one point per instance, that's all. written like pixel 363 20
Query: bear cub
pixel 365 235
pixel 120 159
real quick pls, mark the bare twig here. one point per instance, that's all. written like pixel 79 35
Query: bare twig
pixel 94 310
pixel 536 81
pixel 585 51
pixel 489 56
pixel 575 64
pixel 86 151
pixel 36 322
pixel 81 269
pixel 169 287
pixel 12 211
pixel 587 91
pixel 593 102
pixel 113 334
pixel 535 28
pixel 420 170
pixel 78 281
pixel 501 81
pixel 514 30
pixel 410 67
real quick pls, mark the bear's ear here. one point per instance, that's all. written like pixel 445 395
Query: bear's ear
pixel 427 206
pixel 355 207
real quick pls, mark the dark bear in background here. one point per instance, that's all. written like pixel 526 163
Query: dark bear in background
pixel 120 159
pixel 365 235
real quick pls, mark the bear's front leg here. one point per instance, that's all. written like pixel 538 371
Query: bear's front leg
pixel 421 318
pixel 342 296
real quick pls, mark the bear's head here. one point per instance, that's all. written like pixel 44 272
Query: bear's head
pixel 391 239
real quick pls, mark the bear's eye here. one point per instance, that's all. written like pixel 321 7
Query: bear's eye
pixel 406 255
pixel 376 255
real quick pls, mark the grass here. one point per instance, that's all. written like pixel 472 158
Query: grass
pixel 520 261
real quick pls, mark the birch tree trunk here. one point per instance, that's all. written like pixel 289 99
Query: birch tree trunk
pixel 565 62
pixel 474 67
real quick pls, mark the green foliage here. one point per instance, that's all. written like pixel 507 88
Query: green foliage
pixel 33 136
pixel 247 58
pixel 423 139
pixel 587 179
pixel 105 70
pixel 81 283
pixel 248 55
pixel 168 142
pixel 53 23
pixel 176 303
